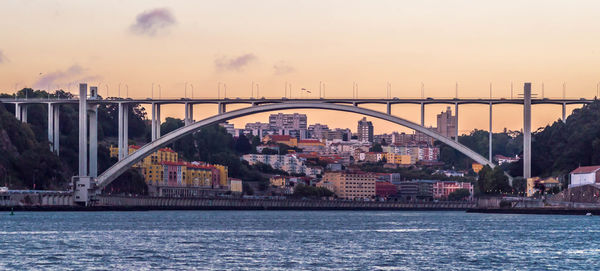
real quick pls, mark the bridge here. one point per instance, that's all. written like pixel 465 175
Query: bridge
pixel 88 183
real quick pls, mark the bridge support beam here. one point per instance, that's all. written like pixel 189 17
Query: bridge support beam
pixel 189 113
pixel 423 114
pixel 456 113
pixel 21 112
pixel 83 130
pixel 527 130
pixel 93 155
pixel 155 121
pixel 222 108
pixel 564 113
pixel 123 133
pixel 18 111
pixel 389 108
pixel 56 129
pixel 490 136
pixel 51 126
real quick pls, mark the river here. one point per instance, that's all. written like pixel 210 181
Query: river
pixel 297 240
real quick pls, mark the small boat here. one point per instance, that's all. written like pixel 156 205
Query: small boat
pixel 588 214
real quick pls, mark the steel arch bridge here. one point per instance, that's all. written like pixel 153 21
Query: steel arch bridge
pixel 121 166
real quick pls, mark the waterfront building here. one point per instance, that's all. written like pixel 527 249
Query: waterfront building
pixel 416 190
pixel 585 175
pixel 441 189
pixel 293 121
pixel 279 181
pixel 365 130
pixel 352 184
pixel 534 184
pixel 385 189
pixel 235 185
pixel 447 123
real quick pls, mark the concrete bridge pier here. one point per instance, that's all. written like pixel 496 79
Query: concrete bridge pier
pixel 93 154
pixel 389 108
pixel 490 135
pixel 222 108
pixel 527 130
pixel 423 114
pixel 123 133
pixel 456 113
pixel 56 129
pixel 564 113
pixel 189 113
pixel 21 112
pixel 155 121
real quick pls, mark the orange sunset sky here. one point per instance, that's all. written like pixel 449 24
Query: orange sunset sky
pixel 56 44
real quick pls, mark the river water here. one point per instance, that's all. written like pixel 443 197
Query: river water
pixel 297 240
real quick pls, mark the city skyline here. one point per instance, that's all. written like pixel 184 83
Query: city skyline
pixel 265 46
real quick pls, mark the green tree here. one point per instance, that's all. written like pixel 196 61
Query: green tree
pixel 459 194
pixel 376 148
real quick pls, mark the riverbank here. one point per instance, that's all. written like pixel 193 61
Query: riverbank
pixel 122 203
pixel 536 211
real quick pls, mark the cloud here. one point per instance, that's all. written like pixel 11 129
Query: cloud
pixel 282 68
pixel 75 73
pixel 3 58
pixel 234 64
pixel 152 22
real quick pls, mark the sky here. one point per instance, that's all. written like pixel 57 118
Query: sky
pixel 179 45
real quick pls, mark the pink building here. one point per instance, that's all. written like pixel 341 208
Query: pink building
pixel 442 189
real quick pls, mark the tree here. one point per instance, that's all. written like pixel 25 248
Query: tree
pixel 459 194
pixel 376 148
pixel 492 181
pixel 242 145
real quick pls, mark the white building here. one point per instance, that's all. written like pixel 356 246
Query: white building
pixel 289 163
pixel 585 175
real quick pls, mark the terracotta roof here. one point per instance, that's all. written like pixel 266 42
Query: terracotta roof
pixel 584 170
pixel 167 150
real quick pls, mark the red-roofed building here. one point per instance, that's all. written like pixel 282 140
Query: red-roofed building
pixel 385 189
pixel 585 175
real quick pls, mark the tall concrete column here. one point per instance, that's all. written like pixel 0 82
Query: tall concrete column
pixel 83 130
pixel 24 113
pixel 189 114
pixel 490 136
pixel 125 130
pixel 93 155
pixel 157 132
pixel 389 108
pixel 423 114
pixel 564 112
pixel 56 129
pixel 153 123
pixel 456 113
pixel 120 131
pixel 527 130
pixel 222 108
pixel 51 125
pixel 18 111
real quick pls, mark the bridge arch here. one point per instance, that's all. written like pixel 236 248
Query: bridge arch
pixel 118 168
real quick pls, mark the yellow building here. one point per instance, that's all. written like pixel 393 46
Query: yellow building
pixel 398 159
pixel 198 175
pixel 532 182
pixel 235 185
pixel 223 173
pixel 283 139
pixel 279 181
pixel 351 185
